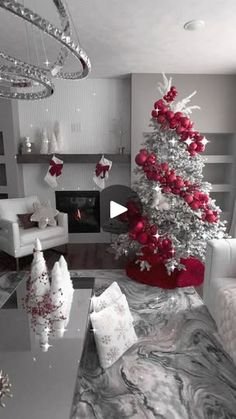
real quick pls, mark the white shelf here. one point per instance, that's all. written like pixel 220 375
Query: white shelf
pixel 224 187
pixel 219 159
pixel 3 189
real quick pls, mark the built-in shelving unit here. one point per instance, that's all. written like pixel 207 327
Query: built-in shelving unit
pixel 219 170
pixel 3 176
pixel 72 158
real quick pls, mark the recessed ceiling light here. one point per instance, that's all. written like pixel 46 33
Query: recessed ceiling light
pixel 194 25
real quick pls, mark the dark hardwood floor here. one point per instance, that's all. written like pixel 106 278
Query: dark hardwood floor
pixel 79 256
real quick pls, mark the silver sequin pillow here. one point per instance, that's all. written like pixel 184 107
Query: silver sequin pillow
pixel 113 331
pixel 109 296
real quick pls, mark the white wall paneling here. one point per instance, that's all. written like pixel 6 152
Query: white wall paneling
pixel 91 112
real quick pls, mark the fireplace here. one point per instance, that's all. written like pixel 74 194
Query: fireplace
pixel 83 209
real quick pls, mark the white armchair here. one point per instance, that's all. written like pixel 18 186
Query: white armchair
pixel 18 242
pixel 220 270
pixel 219 290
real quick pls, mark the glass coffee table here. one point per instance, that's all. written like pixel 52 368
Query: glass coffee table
pixel 43 382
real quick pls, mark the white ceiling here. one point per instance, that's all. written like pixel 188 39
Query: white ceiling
pixel 138 36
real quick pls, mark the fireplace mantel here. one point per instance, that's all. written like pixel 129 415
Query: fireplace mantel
pixel 72 158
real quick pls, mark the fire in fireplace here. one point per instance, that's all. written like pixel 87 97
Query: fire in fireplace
pixel 83 209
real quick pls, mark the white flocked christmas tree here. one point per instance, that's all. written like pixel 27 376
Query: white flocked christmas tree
pixel 178 216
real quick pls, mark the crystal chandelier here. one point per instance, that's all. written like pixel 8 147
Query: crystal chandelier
pixel 25 80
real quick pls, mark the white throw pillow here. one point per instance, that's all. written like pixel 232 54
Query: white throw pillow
pixel 109 296
pixel 113 331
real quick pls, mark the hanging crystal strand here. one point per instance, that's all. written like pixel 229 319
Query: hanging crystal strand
pixel 27 38
pixel 72 21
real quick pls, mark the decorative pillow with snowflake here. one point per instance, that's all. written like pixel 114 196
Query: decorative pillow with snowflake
pixel 113 331
pixel 109 296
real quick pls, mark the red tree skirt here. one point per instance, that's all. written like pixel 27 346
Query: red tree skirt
pixel 158 276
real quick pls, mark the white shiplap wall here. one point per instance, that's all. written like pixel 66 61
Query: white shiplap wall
pixel 99 109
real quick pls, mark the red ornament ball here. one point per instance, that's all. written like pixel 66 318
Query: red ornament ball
pixel 161 119
pixel 170 115
pixel 178 115
pixel 151 159
pixel 195 205
pixel 188 199
pixel 179 183
pixel 211 218
pixel 143 238
pixel 200 147
pixel 164 166
pixel 180 129
pixel 171 178
pixel 138 225
pixel 185 122
pixel 140 158
pixel 192 146
pixel 154 113
pixel 173 123
pixel 159 104
pixel 153 229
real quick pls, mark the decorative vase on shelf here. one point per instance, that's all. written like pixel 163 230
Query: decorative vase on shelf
pixel 53 144
pixel 59 137
pixel 44 142
pixel 121 150
pixel 27 146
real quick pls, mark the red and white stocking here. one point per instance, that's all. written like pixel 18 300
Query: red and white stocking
pixel 101 172
pixel 54 171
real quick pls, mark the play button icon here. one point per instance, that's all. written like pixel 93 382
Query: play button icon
pixel 116 209
pixel 114 201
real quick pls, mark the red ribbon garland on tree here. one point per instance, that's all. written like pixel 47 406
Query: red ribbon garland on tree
pixel 55 169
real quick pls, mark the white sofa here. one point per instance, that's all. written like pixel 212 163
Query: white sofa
pixel 18 242
pixel 219 290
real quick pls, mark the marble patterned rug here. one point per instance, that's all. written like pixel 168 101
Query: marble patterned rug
pixel 177 370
